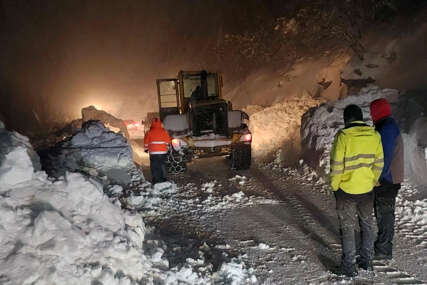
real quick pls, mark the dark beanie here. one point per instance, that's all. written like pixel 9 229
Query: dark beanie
pixel 352 113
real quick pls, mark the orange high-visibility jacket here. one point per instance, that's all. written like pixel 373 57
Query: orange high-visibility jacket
pixel 157 139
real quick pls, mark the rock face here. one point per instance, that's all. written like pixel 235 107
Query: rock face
pixel 91 113
pixel 94 150
pixel 18 160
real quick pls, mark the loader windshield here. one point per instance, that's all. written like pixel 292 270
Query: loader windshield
pixel 192 85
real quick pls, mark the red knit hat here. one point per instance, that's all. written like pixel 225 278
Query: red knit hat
pixel 380 109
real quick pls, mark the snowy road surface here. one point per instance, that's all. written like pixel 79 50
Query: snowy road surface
pixel 282 223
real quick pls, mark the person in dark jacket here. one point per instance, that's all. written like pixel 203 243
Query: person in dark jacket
pixel 390 179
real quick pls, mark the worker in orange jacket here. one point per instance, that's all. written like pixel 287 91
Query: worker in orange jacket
pixel 156 142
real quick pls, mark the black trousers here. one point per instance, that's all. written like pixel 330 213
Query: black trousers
pixel 385 204
pixel 158 168
pixel 351 209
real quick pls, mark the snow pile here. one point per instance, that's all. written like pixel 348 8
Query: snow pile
pixel 194 272
pixel 234 273
pixel 278 127
pixel 320 124
pixel 67 231
pixel 90 113
pixel 18 161
pixel 94 150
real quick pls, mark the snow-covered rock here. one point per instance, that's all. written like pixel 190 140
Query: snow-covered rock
pixel 18 160
pixel 319 125
pixel 95 150
pixel 90 113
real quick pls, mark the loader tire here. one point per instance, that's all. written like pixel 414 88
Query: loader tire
pixel 241 157
pixel 175 163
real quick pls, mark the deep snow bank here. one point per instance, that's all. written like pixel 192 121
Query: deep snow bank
pixel 319 125
pixel 95 150
pixel 67 231
pixel 277 127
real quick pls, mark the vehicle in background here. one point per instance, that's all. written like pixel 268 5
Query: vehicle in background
pixel 135 129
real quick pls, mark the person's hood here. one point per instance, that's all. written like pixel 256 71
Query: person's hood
pixel 156 123
pixel 380 109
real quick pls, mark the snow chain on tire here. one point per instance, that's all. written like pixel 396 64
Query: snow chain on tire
pixel 175 163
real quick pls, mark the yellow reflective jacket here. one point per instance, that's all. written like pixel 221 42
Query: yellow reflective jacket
pixel 356 159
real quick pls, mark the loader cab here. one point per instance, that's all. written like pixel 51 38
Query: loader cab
pixel 176 94
pixel 199 87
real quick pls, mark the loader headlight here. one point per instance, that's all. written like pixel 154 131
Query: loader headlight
pixel 246 138
pixel 176 144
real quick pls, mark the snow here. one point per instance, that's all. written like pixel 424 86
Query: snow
pixel 415 151
pixel 18 161
pixel 231 273
pixel 409 211
pixel 264 246
pixel 95 150
pixel 277 127
pixel 68 231
pixel 186 199
pixel 320 125
pixel 208 186
pixel 13 173
pixel 240 179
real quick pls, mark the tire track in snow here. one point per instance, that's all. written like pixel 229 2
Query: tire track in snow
pixel 414 232
pixel 393 274
pixel 331 243
pixel 325 237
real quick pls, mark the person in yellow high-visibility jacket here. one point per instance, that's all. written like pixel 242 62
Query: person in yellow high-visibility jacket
pixel 356 165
